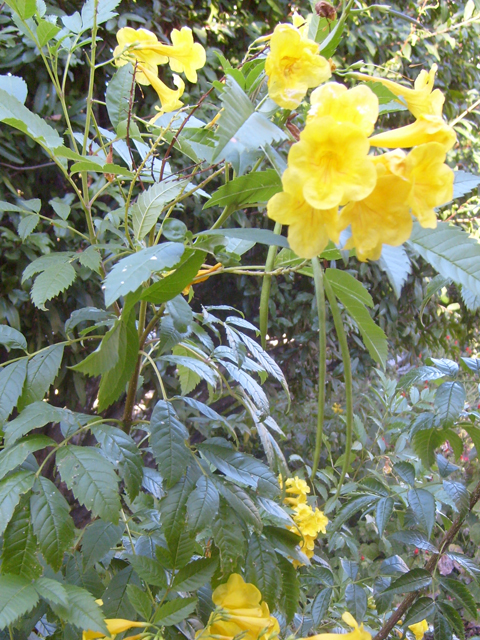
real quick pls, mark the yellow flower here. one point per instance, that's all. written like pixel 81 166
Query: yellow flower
pixel 383 217
pixel 169 98
pixel 201 276
pixel 135 46
pixel 310 522
pixel 421 100
pixel 358 106
pixel 114 626
pixel 300 24
pixel 296 485
pixel 309 229
pixel 358 632
pixel 330 162
pixel 419 629
pixel 293 66
pixel 427 128
pixel 337 408
pixel 185 55
pixel 239 611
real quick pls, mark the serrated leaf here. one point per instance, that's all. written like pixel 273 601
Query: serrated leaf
pixel 82 610
pixel 425 442
pixel 251 188
pixel 46 31
pixel 464 182
pixel 286 543
pixel 151 203
pixel 27 224
pixel 92 480
pixel 415 539
pixel 202 504
pixel 12 378
pixel 91 259
pixel 423 608
pixel 195 574
pixel 116 603
pixel 321 604
pixel 383 513
pixel 422 374
pixel 130 272
pixel 86 314
pixel 445 468
pixel 14 456
pixel 41 372
pixel 15 86
pixel 108 353
pixel 423 505
pixel 260 236
pixel 51 521
pixel 451 251
pixel 173 508
pixel 249 385
pixel 52 591
pixel 262 568
pixel 17 598
pixel 35 415
pixel 461 594
pixel 169 287
pixel 356 601
pixel 140 601
pixel 453 617
pixel 350 508
pixel 174 611
pixel 229 536
pixel 393 565
pixel 122 451
pixel 406 471
pixel 290 587
pixel 414 580
pixel 11 338
pixel 11 489
pixel 459 494
pixel 149 570
pixel 449 401
pixel 167 439
pixel 119 94
pixel 98 539
pixel 396 264
pixel 19 552
pixel 241 503
pixel 441 628
pixel 50 283
pixel 16 114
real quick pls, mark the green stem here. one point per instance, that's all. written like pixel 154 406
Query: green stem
pixel 226 213
pixel 266 284
pixel 347 372
pixel 322 359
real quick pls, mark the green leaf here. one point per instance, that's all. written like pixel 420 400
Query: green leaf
pixel 350 508
pixel 17 598
pixel 19 552
pixel 286 543
pixel 140 601
pixel 406 471
pixel 169 287
pixel 82 610
pixel 91 259
pixel 24 8
pixel 321 604
pixel 251 188
pixel 27 225
pixel 195 574
pixel 58 259
pixel 449 401
pixel 174 611
pixel 290 587
pixel 262 568
pixel 422 504
pixel 46 31
pixel 238 466
pixel 464 183
pixel 35 415
pixel 451 251
pixel 119 94
pixel 395 564
pixel 414 580
pixel 50 283
pixel 52 591
pixel 188 363
pixel 116 603
pixel 92 480
pixel 12 378
pixel 240 502
pixel 260 236
pixel 354 302
pixel 41 372
pixel 181 549
pixel 14 456
pixel 396 264
pixel 151 203
pixel 415 539
pixel 149 570
pixel 383 513
pixel 167 439
pixel 229 537
pixel 15 114
pixel 461 594
pixel 459 495
pixel 424 443
pixel 356 601
pixel 11 489
pixel 173 508
pixel 442 629
pixel 202 505
pixel 51 521
pixel 130 272
pixel 423 608
pixel 11 338
pixel 107 354
pixel 453 617
pixel 99 538
pixel 422 374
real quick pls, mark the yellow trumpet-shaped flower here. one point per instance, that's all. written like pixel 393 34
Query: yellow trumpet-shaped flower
pixel 427 128
pixel 310 522
pixel 293 66
pixel 419 629
pixel 383 217
pixel 331 163
pixel 240 610
pixel 136 46
pixel 202 275
pixel 309 228
pixel 114 626
pixel 422 100
pixel 358 632
pixel 358 106
pixel 169 98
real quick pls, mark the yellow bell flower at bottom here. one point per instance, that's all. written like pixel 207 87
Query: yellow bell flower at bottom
pixel 115 626
pixel 419 629
pixel 425 129
pixel 358 632
pixel 169 98
pixel 135 46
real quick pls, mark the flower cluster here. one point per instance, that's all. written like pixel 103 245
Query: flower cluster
pixel 293 66
pixel 143 49
pixel 333 182
pixel 239 610
pixel 310 522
